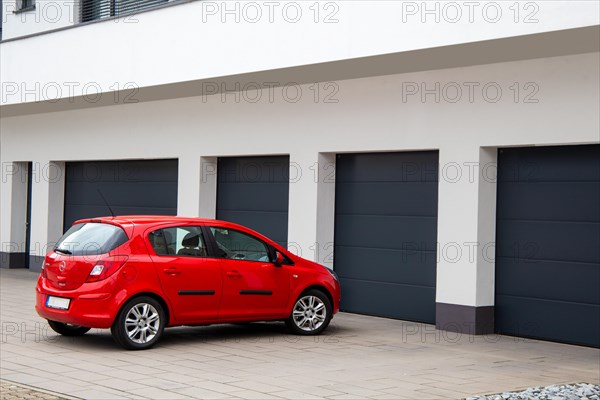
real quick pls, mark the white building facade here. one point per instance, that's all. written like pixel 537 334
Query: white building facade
pixel 442 157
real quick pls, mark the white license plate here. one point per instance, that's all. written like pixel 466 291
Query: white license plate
pixel 58 302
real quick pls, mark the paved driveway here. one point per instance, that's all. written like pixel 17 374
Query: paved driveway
pixel 359 357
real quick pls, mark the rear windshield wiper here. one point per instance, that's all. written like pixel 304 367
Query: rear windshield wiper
pixel 64 251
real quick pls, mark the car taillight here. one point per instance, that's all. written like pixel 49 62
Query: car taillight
pixel 105 268
pixel 43 272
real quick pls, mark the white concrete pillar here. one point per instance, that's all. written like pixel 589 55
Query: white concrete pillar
pixel 47 208
pixel 312 206
pixel 486 227
pixel 197 186
pixel 466 239
pixel 208 187
pixel 188 185
pixel 13 214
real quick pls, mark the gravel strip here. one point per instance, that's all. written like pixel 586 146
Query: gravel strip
pixel 575 391
pixel 17 391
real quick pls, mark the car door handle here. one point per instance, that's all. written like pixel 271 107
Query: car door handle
pixel 171 271
pixel 233 274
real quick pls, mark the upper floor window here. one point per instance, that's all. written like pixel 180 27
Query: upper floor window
pixel 97 9
pixel 25 4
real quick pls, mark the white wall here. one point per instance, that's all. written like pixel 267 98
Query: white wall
pixel 199 40
pixel 47 15
pixel 371 114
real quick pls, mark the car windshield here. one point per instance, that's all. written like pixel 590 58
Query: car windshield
pixel 90 239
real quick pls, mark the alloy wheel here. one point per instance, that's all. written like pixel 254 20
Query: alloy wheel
pixel 142 323
pixel 309 313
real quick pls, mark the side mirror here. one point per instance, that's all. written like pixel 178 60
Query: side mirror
pixel 279 259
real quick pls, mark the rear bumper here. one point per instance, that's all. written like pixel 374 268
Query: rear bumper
pixel 94 306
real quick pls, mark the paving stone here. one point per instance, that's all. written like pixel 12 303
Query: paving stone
pixel 362 357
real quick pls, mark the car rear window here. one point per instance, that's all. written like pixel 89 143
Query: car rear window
pixel 91 239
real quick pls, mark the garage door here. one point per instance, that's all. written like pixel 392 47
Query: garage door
pixel 254 191
pixel 385 233
pixel 130 187
pixel 548 243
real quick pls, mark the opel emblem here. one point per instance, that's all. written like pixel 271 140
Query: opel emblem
pixel 62 266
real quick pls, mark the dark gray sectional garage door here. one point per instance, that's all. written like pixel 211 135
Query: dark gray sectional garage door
pixel 254 191
pixel 385 233
pixel 130 187
pixel 548 243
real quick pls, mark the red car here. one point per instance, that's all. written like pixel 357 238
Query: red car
pixel 139 274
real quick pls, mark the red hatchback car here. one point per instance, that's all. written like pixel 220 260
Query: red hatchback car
pixel 139 274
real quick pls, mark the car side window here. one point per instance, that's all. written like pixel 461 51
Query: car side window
pixel 240 246
pixel 182 241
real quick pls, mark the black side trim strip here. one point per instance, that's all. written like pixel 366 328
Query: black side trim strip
pixel 196 292
pixel 258 292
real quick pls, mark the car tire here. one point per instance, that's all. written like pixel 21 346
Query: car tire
pixel 139 324
pixel 67 329
pixel 311 313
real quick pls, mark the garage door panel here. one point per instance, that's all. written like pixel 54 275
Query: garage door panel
pixel 271 224
pixel 254 192
pixel 548 243
pixel 537 279
pixel 541 201
pixel 122 171
pixel 76 212
pixel 129 187
pixel 411 267
pixel 388 167
pixel 270 198
pixel 414 303
pixel 540 164
pixel 117 196
pixel 550 320
pixel 386 232
pixel 269 169
pixel 381 198
pixel 561 241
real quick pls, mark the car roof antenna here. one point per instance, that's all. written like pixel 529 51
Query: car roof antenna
pixel 106 202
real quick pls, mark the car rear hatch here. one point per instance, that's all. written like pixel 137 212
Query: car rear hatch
pixel 83 249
